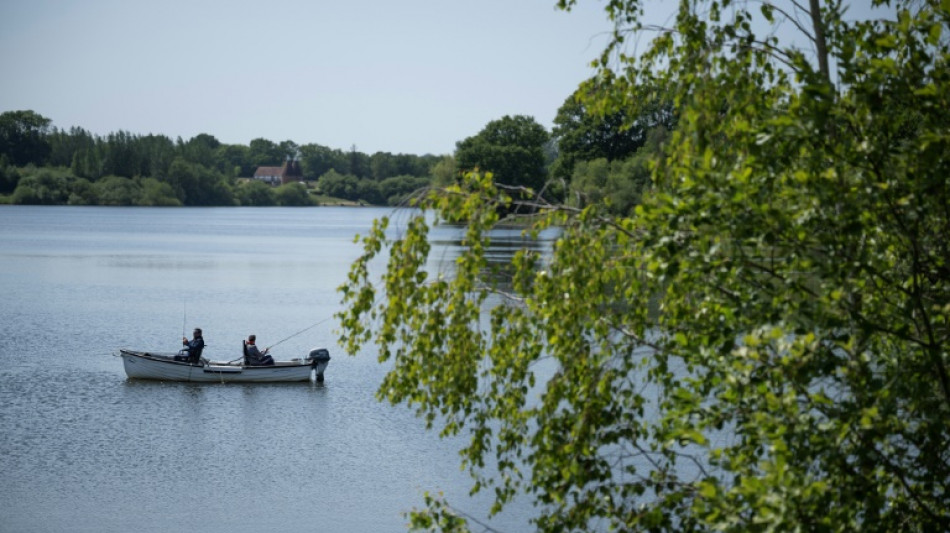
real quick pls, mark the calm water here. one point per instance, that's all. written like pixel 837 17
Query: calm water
pixel 85 449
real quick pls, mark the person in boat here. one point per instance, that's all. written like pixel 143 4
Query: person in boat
pixel 192 348
pixel 253 355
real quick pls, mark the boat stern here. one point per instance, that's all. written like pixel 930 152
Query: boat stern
pixel 319 359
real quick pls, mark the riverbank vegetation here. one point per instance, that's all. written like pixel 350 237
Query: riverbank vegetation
pixel 586 158
pixel 762 344
pixel 40 164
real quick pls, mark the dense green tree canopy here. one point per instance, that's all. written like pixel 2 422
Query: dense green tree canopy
pixel 584 134
pixel 211 168
pixel 510 147
pixel 293 195
pixel 764 344
pixel 317 160
pixel 22 137
pixel 264 152
pixel 256 193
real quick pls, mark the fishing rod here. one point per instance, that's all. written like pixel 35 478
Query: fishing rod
pixel 304 330
pixel 308 328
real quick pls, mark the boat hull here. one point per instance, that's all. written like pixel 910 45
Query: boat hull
pixel 163 367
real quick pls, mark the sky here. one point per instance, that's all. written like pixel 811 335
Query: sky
pixel 399 76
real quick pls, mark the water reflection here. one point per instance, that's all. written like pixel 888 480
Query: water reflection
pixel 505 242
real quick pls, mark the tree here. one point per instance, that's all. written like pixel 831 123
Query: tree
pixel 383 165
pixel 89 162
pixel 290 150
pixel 256 193
pixel 584 134
pixel 155 193
pixel 619 184
pixel 9 177
pixel 263 152
pixel 395 190
pixel 232 160
pixel 444 172
pixel 317 160
pixel 197 185
pixel 65 144
pixel 82 192
pixel 338 185
pixel 42 188
pixel 762 345
pixel 359 163
pixel 117 191
pixel 368 191
pixel 158 152
pixel 293 195
pixel 511 147
pixel 23 137
pixel 122 155
pixel 201 149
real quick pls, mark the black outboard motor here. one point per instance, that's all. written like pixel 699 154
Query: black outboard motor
pixel 319 358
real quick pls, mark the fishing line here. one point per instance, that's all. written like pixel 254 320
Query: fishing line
pixel 308 328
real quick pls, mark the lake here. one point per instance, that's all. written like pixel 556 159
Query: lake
pixel 86 449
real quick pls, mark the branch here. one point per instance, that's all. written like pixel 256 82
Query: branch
pixel 794 20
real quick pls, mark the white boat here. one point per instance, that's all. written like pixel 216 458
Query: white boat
pixel 164 367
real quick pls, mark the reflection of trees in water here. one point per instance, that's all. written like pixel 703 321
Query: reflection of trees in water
pixel 506 241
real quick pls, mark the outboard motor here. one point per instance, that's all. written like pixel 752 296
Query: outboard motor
pixel 319 359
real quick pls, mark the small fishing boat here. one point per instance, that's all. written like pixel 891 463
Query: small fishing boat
pixel 164 367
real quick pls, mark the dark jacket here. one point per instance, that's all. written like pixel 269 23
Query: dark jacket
pixel 194 347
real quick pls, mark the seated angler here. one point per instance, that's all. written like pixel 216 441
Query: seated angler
pixel 192 349
pixel 254 356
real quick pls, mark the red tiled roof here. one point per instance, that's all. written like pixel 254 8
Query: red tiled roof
pixel 268 171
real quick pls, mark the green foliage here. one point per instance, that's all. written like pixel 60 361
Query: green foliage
pixel 317 160
pixel 397 190
pixel 437 516
pixel 43 187
pixel 82 192
pixel 58 186
pixel 256 193
pixel 512 148
pixel 155 193
pixel 9 177
pixel 391 191
pixel 444 172
pixel 293 195
pixel 762 345
pixel 338 185
pixel 386 165
pixel 201 171
pixel 583 134
pixel 200 149
pixel 119 191
pixel 23 137
pixel 233 160
pixel 196 185
pixel 620 184
pixel 263 152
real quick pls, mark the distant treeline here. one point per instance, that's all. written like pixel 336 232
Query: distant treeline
pixel 44 165
pixel 587 158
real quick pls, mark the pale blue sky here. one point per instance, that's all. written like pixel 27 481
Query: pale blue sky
pixel 409 76
pixel 401 76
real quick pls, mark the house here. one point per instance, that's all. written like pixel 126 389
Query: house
pixel 288 173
